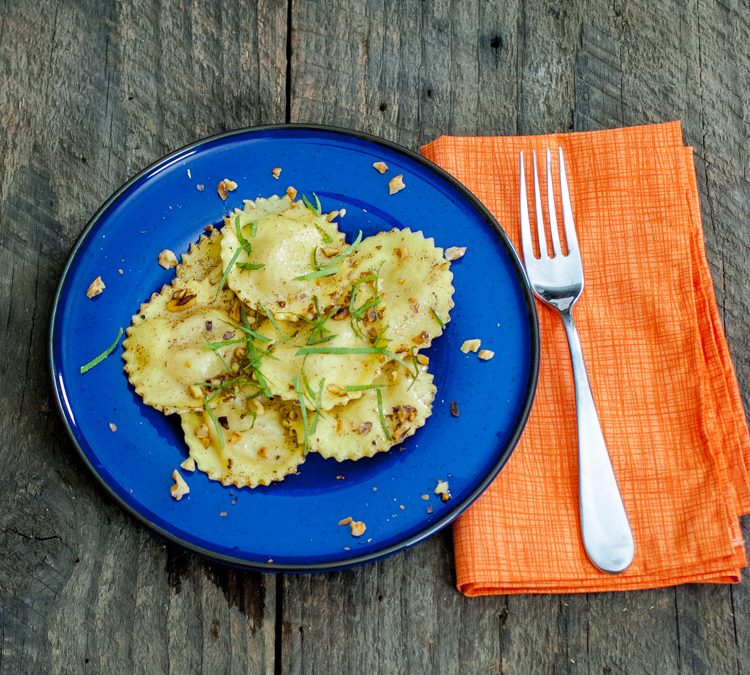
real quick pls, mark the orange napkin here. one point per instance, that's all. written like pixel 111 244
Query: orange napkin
pixel 659 368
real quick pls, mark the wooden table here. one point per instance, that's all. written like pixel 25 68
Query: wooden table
pixel 90 92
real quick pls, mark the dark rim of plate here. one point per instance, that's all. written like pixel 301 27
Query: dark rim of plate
pixel 355 560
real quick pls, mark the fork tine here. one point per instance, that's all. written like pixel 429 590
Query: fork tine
pixel 570 227
pixel 528 248
pixel 541 236
pixel 551 208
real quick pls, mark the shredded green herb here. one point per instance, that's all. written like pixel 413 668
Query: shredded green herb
pixel 372 302
pixel 381 414
pixel 245 328
pixel 346 252
pixel 250 266
pixel 338 350
pixel 98 359
pixel 317 210
pixel 253 228
pixel 364 387
pixel 322 272
pixel 224 363
pixel 215 422
pixel 303 411
pixel 437 318
pixel 227 271
pixel 223 343
pixel 318 400
pixel 241 237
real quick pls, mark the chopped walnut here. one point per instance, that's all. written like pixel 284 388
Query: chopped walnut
pixel 200 187
pixel 455 252
pixel 112 427
pixel 380 167
pixel 120 270
pixel 167 259
pixel 181 300
pixel 188 464
pixel 426 497
pixel 429 509
pixel 180 487
pixel 470 345
pixel 222 514
pixel 96 287
pixel 291 192
pixel 189 174
pixel 345 521
pixel 340 477
pixel 396 185
pixel 485 354
pixel 357 527
pixel 364 428
pixel 336 390
pixel 225 187
pixel 443 490
pixel 276 172
pixel 454 409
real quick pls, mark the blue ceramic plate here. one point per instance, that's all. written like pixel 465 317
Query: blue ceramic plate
pixel 293 525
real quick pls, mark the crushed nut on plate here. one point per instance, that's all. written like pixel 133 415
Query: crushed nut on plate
pixel 396 184
pixel 485 354
pixel 276 172
pixel 200 187
pixel 358 528
pixel 167 259
pixel 291 192
pixel 112 427
pixel 443 490
pixel 95 288
pixel 120 270
pixel 455 252
pixel 225 187
pixel 425 497
pixel 471 345
pixel 188 464
pixel 345 521
pixel 454 409
pixel 180 487
pixel 380 167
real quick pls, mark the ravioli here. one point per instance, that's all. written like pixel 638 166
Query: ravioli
pixel 355 430
pixel 278 273
pixel 415 286
pixel 248 445
pixel 335 371
pixel 165 349
pixel 203 259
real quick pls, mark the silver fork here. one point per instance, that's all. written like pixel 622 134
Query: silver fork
pixel 557 280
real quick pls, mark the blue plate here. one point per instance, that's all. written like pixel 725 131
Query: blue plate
pixel 293 525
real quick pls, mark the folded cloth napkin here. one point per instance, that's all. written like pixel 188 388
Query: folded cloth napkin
pixel 659 367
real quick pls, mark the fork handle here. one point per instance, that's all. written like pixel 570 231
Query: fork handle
pixel 605 529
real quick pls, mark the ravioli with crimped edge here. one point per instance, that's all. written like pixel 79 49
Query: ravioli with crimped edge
pixel 278 337
pixel 390 410
pixel 267 248
pixel 165 350
pixel 242 441
pixel 414 282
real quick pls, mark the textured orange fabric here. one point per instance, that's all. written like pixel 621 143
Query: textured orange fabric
pixel 659 367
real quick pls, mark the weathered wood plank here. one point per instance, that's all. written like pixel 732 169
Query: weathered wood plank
pixel 91 92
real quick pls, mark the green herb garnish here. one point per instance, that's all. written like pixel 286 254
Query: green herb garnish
pixel 364 387
pixel 227 271
pixel 215 422
pixel 317 210
pixel 437 318
pixel 317 274
pixel 318 400
pixel 241 237
pixel 381 414
pixel 346 252
pixel 250 266
pixel 303 411
pixel 98 359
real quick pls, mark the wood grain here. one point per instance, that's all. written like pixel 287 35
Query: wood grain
pixel 90 93
pixel 93 91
